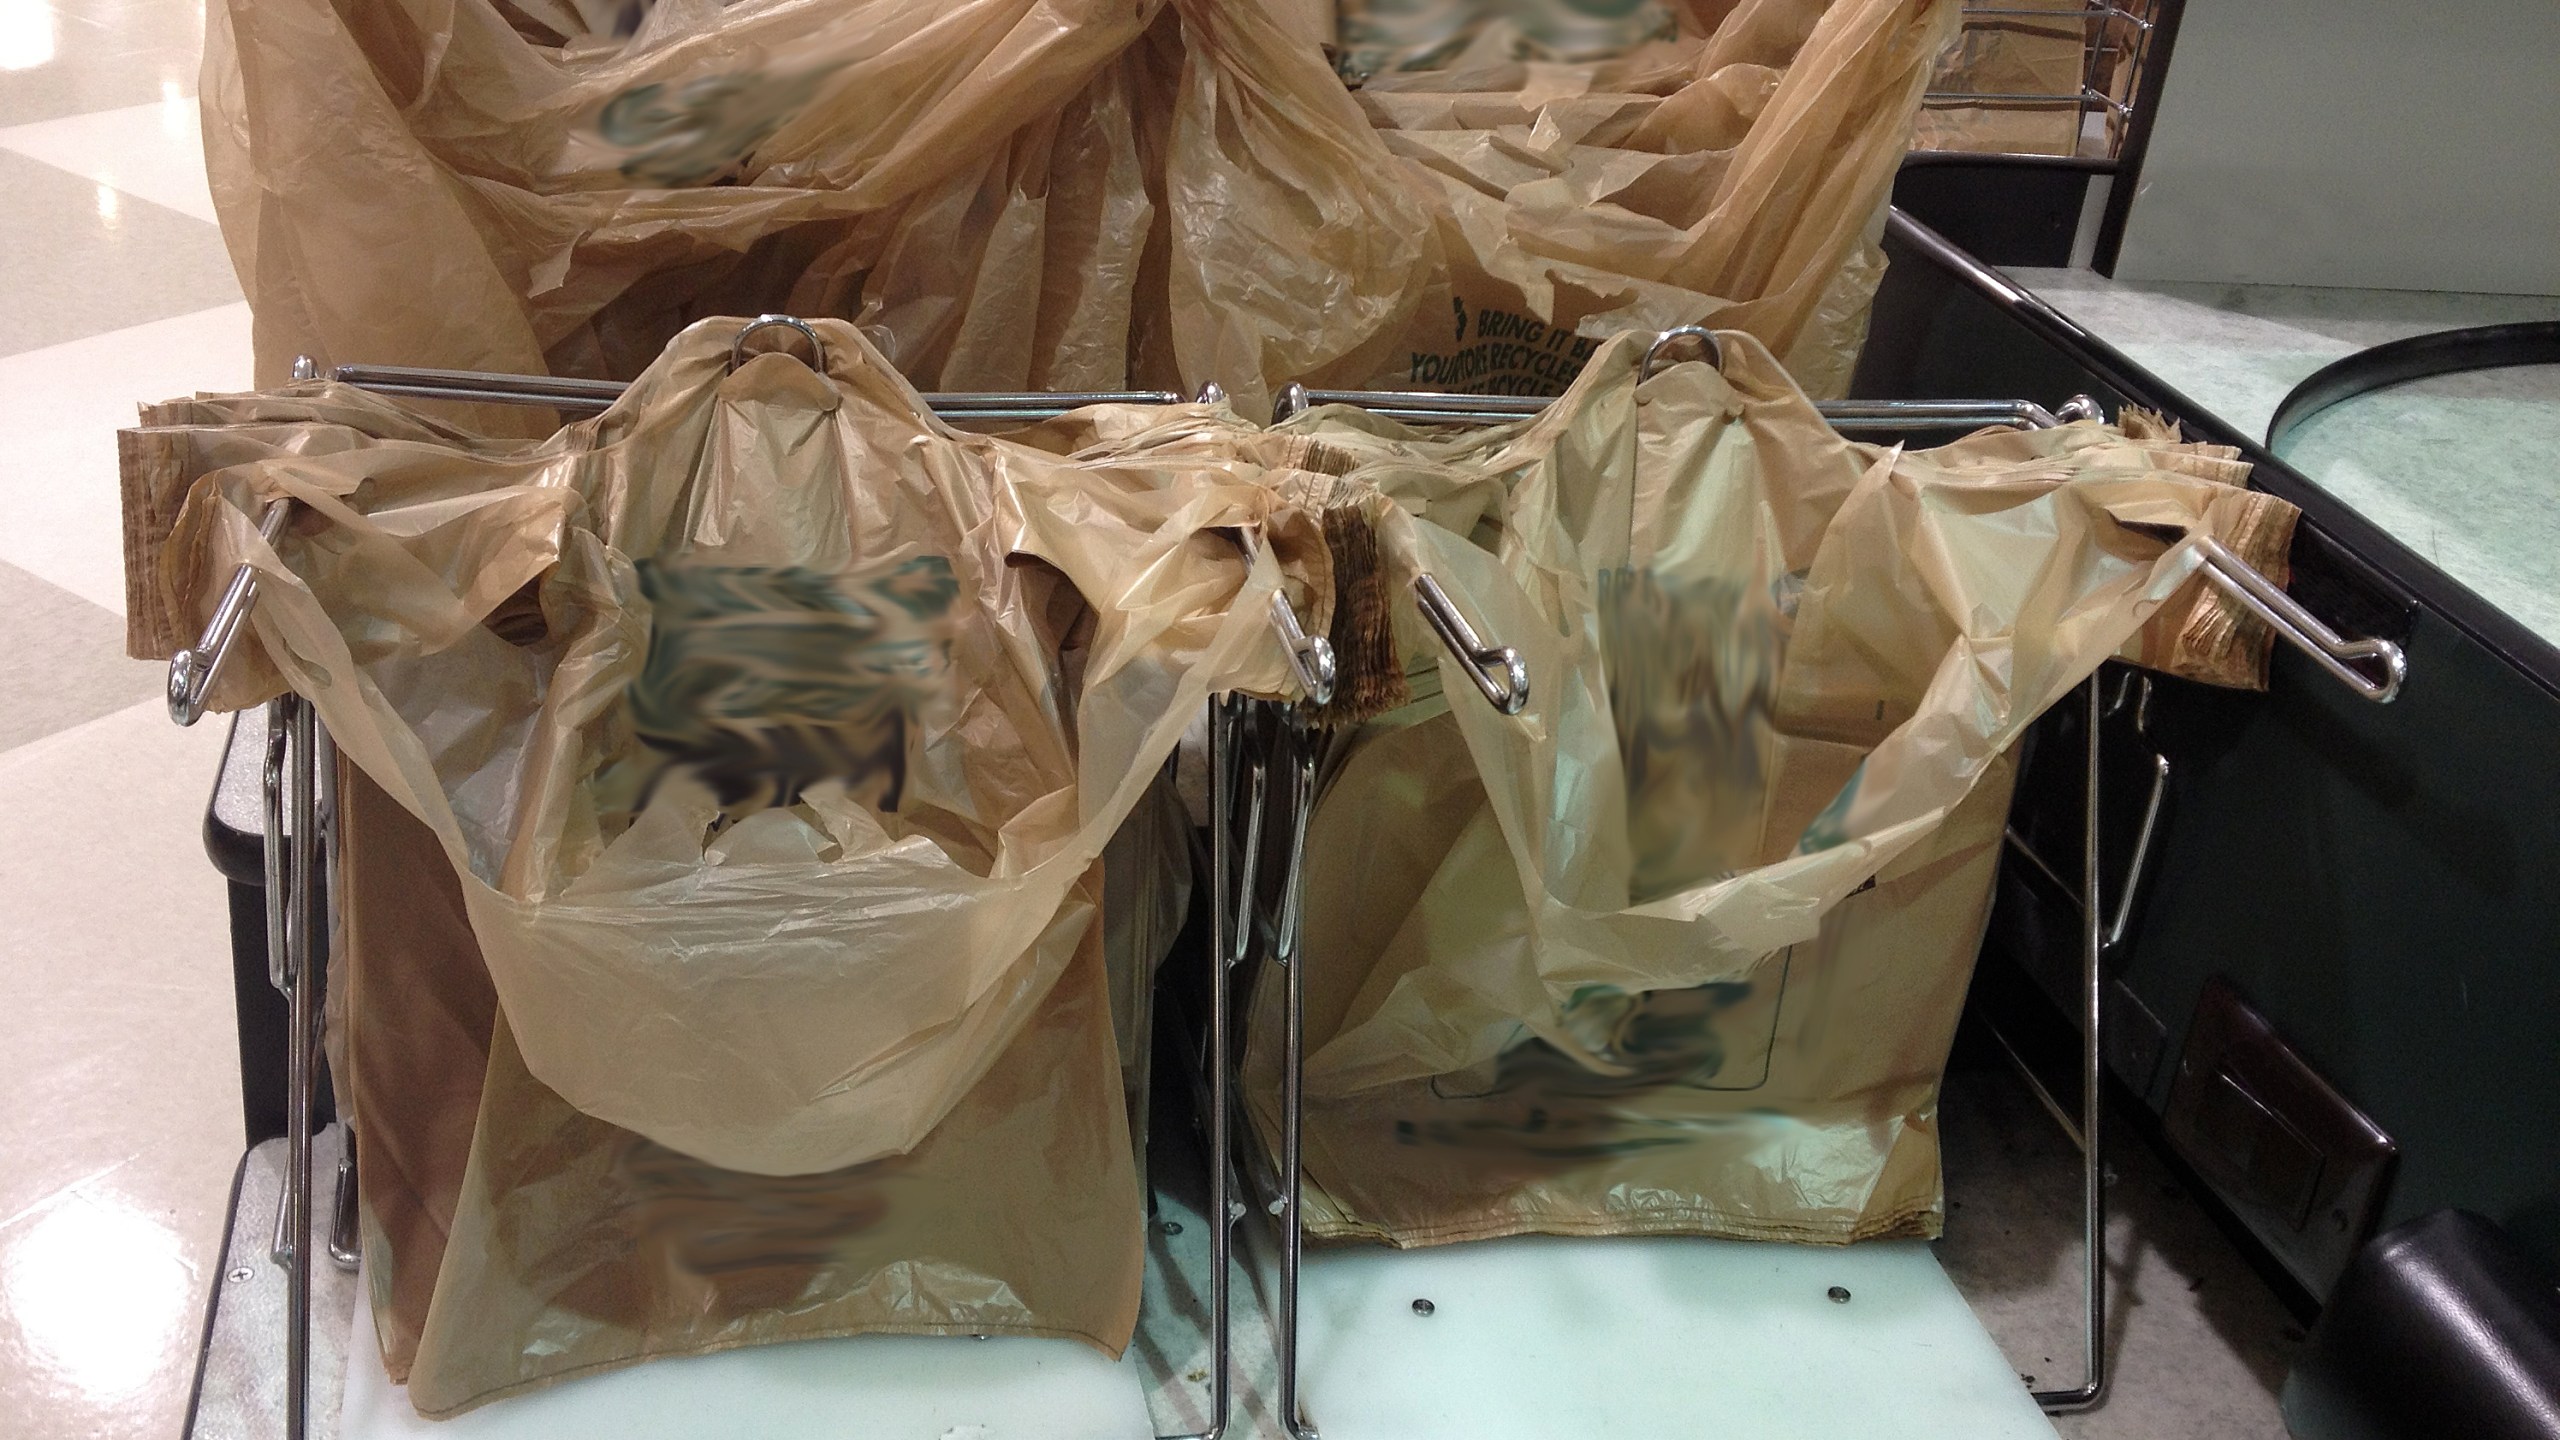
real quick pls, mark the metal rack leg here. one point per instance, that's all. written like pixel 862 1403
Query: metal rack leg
pixel 2092 1094
pixel 343 1250
pixel 342 1247
pixel 1298 754
pixel 297 912
pixel 1225 716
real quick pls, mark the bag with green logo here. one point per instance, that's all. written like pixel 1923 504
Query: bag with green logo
pixel 1736 177
pixel 534 188
pixel 768 739
pixel 1681 946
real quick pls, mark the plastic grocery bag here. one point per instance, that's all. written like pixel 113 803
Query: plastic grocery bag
pixel 812 978
pixel 1736 179
pixel 1682 945
pixel 456 183
pixel 510 1240
pixel 1008 195
pixel 1296 252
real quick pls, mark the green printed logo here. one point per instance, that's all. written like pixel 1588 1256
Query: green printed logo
pixel 764 680
pixel 698 133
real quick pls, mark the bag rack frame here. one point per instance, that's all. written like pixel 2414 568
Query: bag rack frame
pixel 2099 935
pixel 301 852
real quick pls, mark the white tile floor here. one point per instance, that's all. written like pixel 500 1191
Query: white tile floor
pixel 119 1106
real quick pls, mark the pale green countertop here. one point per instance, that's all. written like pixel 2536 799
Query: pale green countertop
pixel 2463 469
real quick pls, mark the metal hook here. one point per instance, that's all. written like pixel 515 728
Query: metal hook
pixel 817 348
pixel 1310 656
pixel 1291 404
pixel 2080 407
pixel 2304 630
pixel 1249 879
pixel 2135 690
pixel 193 671
pixel 1705 337
pixel 305 368
pixel 1212 393
pixel 1508 694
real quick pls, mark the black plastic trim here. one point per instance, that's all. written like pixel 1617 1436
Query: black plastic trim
pixel 2010 160
pixel 2417 357
pixel 2345 552
pixel 2137 136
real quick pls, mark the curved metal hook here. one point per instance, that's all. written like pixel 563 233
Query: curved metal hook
pixel 1212 393
pixel 2304 630
pixel 1291 404
pixel 192 671
pixel 1705 338
pixel 817 348
pixel 2080 407
pixel 1310 656
pixel 1508 694
pixel 305 368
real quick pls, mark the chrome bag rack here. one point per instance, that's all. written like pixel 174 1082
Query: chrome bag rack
pixel 301 813
pixel 301 846
pixel 2372 669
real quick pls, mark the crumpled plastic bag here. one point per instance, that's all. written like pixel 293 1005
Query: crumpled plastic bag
pixel 1681 946
pixel 1067 195
pixel 428 182
pixel 1736 178
pixel 1297 251
pixel 812 980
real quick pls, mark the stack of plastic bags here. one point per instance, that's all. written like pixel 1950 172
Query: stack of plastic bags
pixel 731 778
pixel 1053 194
pixel 728 955
pixel 1682 946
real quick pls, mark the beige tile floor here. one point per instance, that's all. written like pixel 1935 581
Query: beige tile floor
pixel 119 1102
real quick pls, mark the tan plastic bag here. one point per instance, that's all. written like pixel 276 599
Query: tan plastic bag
pixel 491 1223
pixel 1736 179
pixel 418 182
pixel 578 1247
pixel 1682 949
pixel 805 990
pixel 1297 253
pixel 1009 195
pixel 944 1222
pixel 413 1013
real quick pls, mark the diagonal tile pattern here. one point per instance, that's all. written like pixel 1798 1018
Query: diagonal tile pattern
pixel 71 57
pixel 154 151
pixel 86 257
pixel 71 655
pixel 121 1121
